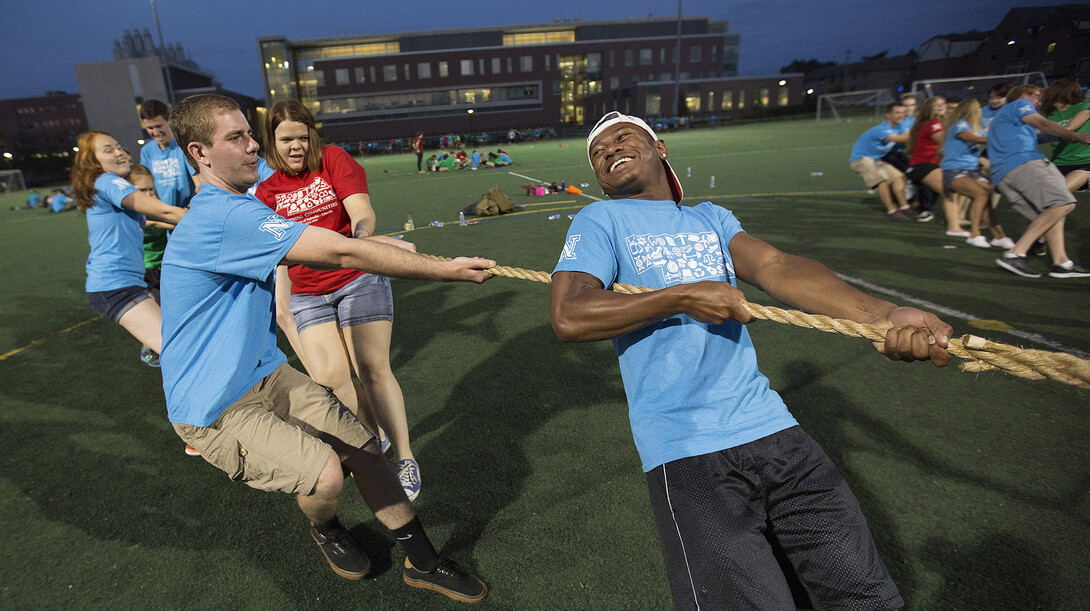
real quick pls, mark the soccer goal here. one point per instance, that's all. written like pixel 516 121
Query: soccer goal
pixel 11 180
pixel 866 103
pixel 974 86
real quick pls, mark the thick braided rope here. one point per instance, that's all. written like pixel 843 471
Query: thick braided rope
pixel 980 354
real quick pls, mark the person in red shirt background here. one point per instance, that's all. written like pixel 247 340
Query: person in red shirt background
pixel 418 148
pixel 344 318
pixel 925 152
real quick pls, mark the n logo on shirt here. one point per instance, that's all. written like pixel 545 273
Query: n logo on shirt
pixel 569 248
pixel 275 226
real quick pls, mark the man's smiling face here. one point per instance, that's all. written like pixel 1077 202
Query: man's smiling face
pixel 626 161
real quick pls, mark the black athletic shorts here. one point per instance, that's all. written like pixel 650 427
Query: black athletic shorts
pixel 920 171
pixel 717 513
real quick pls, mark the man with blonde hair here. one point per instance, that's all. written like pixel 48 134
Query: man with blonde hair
pixel 228 388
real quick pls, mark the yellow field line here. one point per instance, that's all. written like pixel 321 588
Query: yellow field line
pixel 11 353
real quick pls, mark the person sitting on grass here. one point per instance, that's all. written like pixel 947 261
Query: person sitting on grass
pixel 59 202
pixel 1032 183
pixel 961 173
pixel 229 390
pixel 866 160
pixel 33 198
pixel 1065 103
pixel 726 464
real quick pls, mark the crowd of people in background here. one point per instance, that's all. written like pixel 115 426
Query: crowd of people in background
pixel 965 154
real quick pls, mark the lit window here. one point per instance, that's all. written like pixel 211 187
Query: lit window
pixel 361 75
pixel 497 65
pixel 389 73
pixel 423 70
pixel 1051 47
pixel 341 76
pixel 726 100
pixel 444 70
pixel 467 67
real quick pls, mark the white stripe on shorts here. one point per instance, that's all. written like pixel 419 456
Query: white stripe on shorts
pixel 666 487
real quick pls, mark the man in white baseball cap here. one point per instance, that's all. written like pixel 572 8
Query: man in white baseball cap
pixel 728 468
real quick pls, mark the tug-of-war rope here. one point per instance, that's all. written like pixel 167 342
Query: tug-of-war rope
pixel 980 354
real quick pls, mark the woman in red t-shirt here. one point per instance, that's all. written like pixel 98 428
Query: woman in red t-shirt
pixel 925 152
pixel 344 318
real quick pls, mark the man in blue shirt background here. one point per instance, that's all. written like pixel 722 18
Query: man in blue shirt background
pixel 1031 182
pixel 866 159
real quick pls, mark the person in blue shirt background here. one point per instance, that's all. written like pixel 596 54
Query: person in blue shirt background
pixel 1034 186
pixel 882 177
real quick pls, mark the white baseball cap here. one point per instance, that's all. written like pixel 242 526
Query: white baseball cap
pixel 612 118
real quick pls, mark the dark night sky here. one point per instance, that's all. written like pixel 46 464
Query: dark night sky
pixel 40 40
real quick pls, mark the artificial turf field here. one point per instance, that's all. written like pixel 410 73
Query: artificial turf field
pixel 975 485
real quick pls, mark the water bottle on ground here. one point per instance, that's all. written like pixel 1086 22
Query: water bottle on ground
pixel 409 226
pixel 689 172
pixel 462 218
pixel 712 183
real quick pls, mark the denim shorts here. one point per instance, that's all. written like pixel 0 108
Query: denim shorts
pixel 113 304
pixel 368 298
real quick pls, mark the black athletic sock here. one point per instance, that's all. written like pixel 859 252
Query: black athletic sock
pixel 417 546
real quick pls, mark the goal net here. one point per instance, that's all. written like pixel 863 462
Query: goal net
pixel 865 104
pixel 11 180
pixel 974 86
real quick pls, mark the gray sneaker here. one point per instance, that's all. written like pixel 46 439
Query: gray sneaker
pixel 1017 265
pixel 1075 271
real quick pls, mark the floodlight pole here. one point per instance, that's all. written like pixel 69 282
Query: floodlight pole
pixel 677 65
pixel 163 54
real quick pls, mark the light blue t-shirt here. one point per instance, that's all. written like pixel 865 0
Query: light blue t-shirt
pixel 475 159
pixel 987 113
pixel 58 202
pixel 172 173
pixel 219 338
pixel 33 200
pixel 958 154
pixel 873 142
pixel 264 171
pixel 1012 141
pixel 692 388
pixel 116 236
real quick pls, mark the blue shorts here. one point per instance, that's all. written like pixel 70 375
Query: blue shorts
pixel 368 298
pixel 949 176
pixel 114 304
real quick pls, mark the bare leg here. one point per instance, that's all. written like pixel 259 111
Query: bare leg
pixel 899 191
pixel 144 321
pixel 979 196
pixel 328 364
pixel 369 348
pixel 1040 227
pixel 379 487
pixel 886 196
pixel 1076 179
pixel 321 505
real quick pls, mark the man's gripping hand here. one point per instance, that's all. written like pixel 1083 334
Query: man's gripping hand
pixel 713 302
pixel 470 269
pixel 915 335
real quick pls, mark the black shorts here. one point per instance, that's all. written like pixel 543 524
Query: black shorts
pixel 920 171
pixel 114 304
pixel 716 514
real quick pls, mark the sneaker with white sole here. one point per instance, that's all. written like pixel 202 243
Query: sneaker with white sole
pixel 925 216
pixel 1038 249
pixel 149 356
pixel 958 234
pixel 978 241
pixel 191 451
pixel 448 579
pixel 408 473
pixel 1004 243
pixel 1017 265
pixel 1074 271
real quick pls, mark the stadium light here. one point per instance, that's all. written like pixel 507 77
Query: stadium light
pixel 140 142
pixel 75 149
pixel 782 83
pixel 470 111
pixel 809 92
pixel 1010 42
pixel 8 155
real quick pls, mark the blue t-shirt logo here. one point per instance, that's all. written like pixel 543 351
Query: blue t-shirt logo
pixel 569 248
pixel 682 257
pixel 275 226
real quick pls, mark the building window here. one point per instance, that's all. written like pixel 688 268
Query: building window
pixel 526 63
pixel 614 82
pixel 645 57
pixel 742 99
pixel 423 70
pixel 319 78
pixel 662 55
pixel 341 76
pixel 762 97
pixel 1051 47
pixel 666 76
pixel 692 102
pixel 612 57
pixel 444 70
pixel 509 61
pixel 715 50
pixel 629 57
pixel 467 67
pixel 537 38
pixel 373 79
pixel 711 100
pixel 389 73
pixel 694 54
pixel 361 75
pixel 726 100
pixel 782 96
pixel 547 58
pixel 653 104
pixel 594 64
pixel 497 65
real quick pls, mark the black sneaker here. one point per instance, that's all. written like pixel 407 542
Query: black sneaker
pixel 448 579
pixel 340 551
pixel 1039 249
pixel 1017 265
pixel 1075 271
